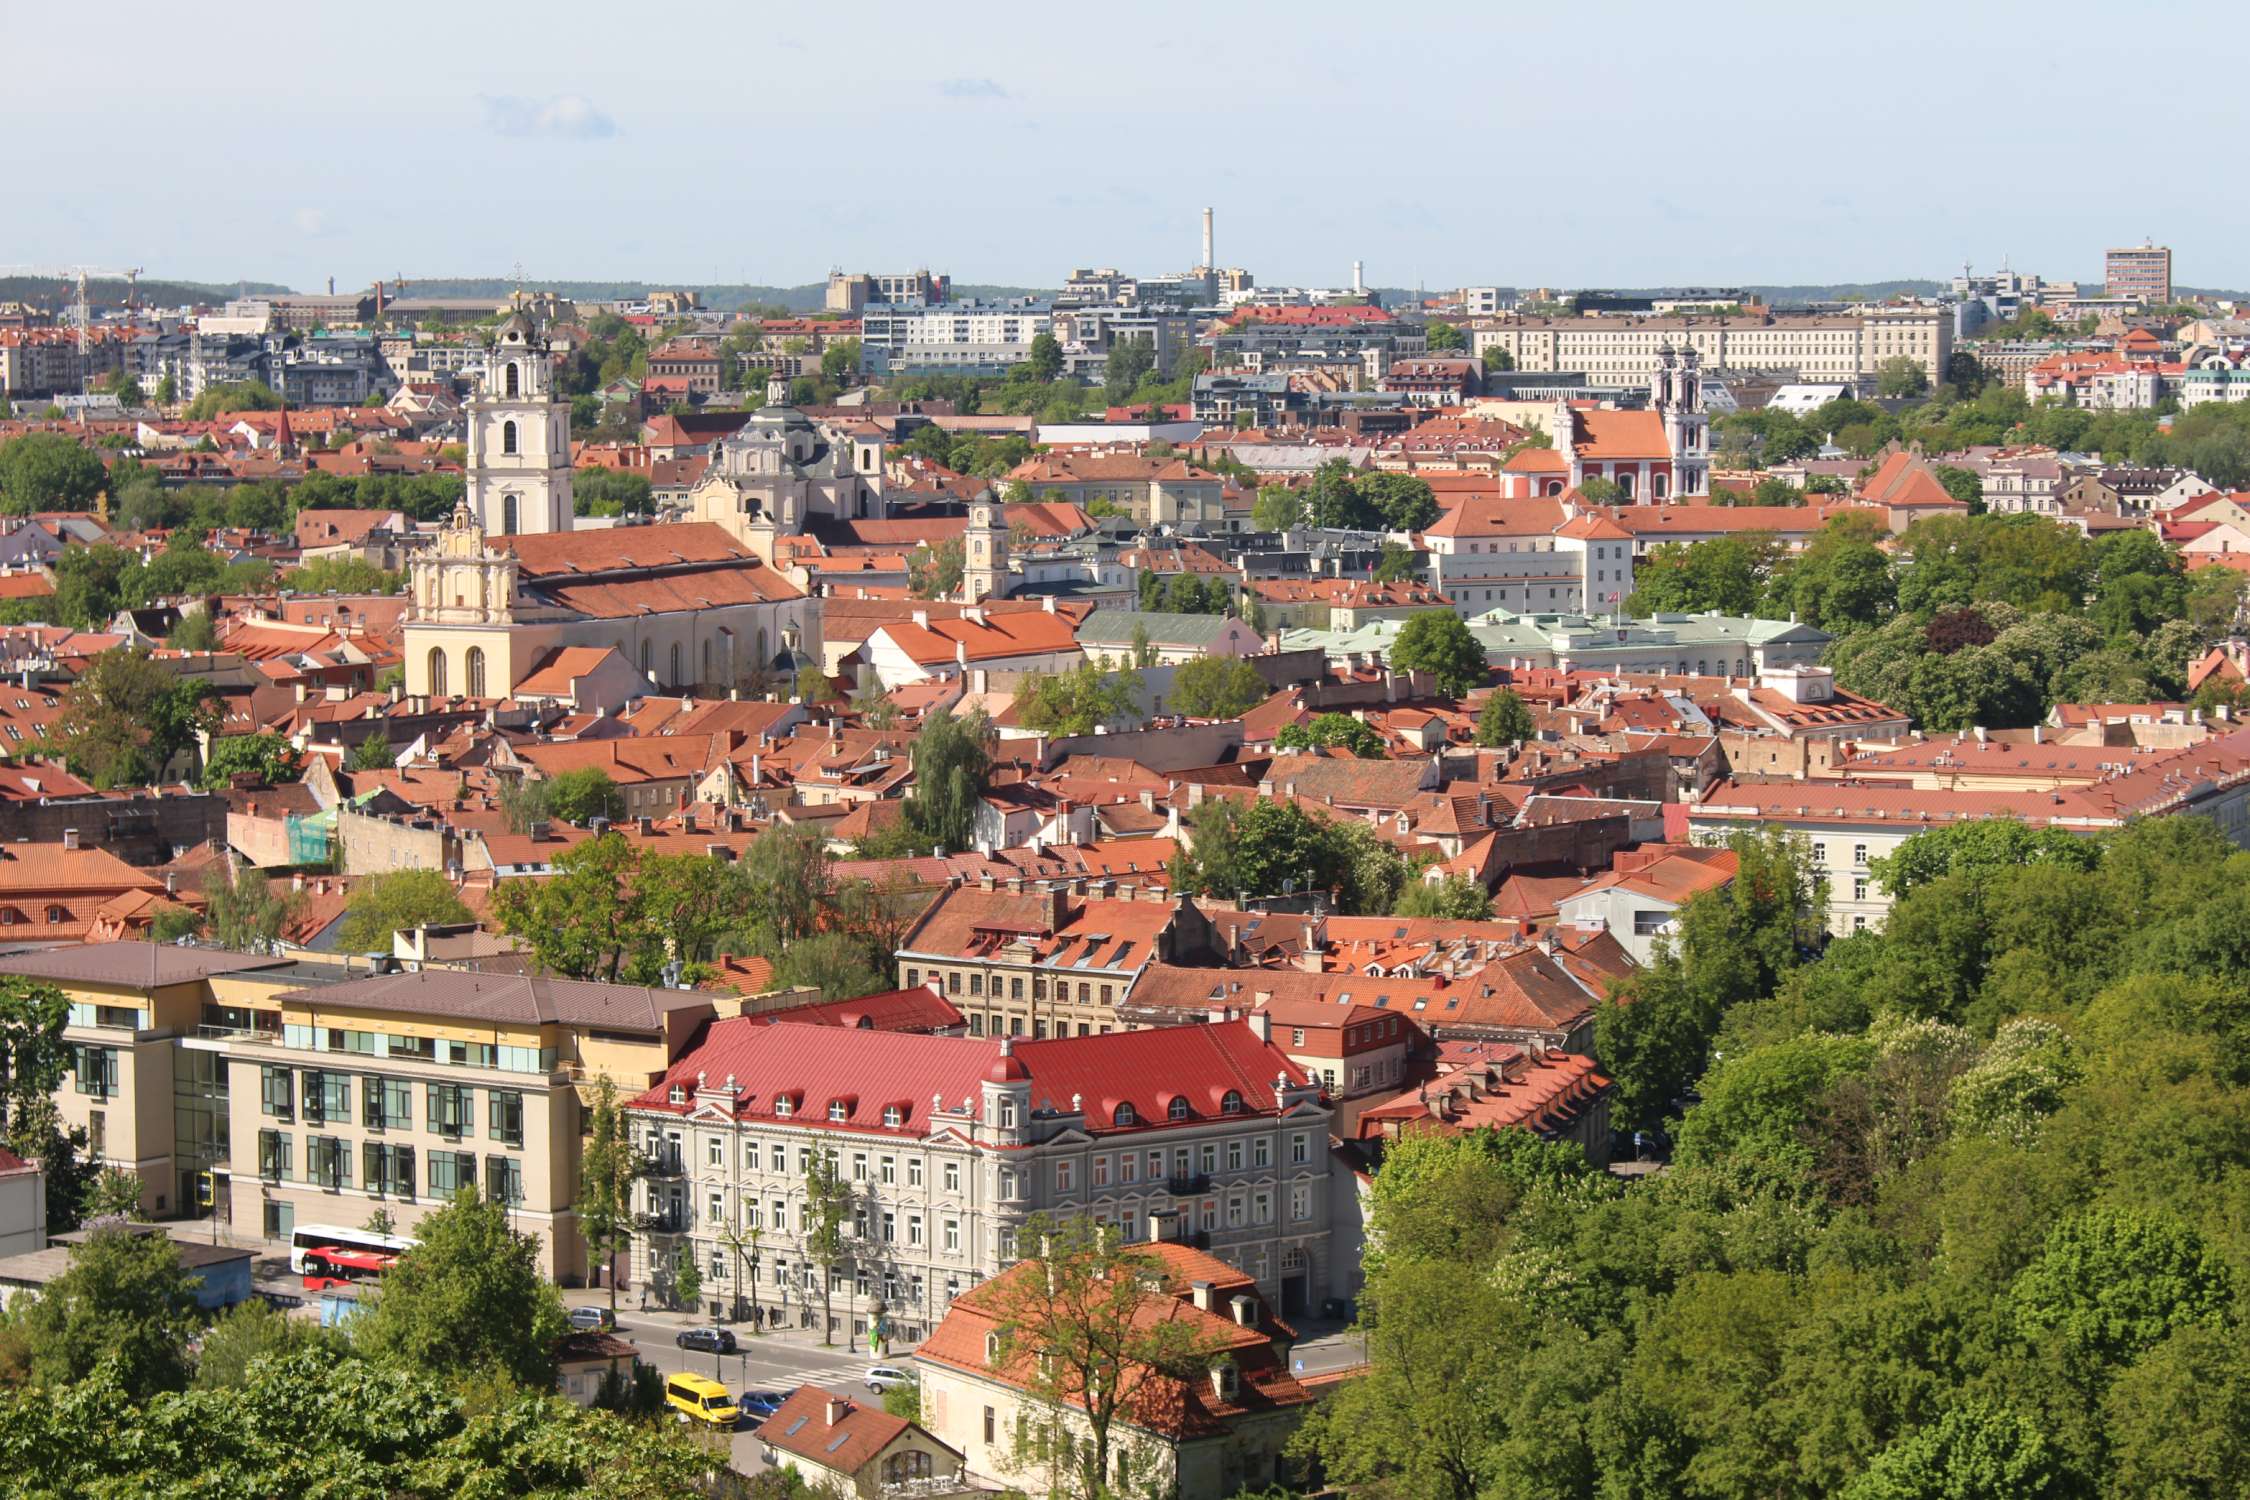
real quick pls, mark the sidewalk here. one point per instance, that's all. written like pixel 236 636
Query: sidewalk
pixel 656 1315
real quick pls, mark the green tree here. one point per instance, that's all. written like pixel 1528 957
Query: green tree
pixel 586 920
pixel 950 770
pixel 113 1194
pixel 195 632
pixel 1398 564
pixel 608 1165
pixel 373 753
pixel 125 1301
pixel 126 717
pixel 827 1214
pixel 242 909
pixel 1335 730
pixel 839 362
pixel 1073 1323
pixel 1333 499
pixel 1498 360
pixel 935 572
pixel 1400 502
pixel 343 575
pixel 249 1332
pixel 467 1298
pixel 1278 508
pixel 1445 337
pixel 1976 1451
pixel 1979 847
pixel 218 401
pixel 1081 700
pixel 1217 687
pixel 2114 1282
pixel 687 1281
pixel 1901 375
pixel 583 795
pixel 394 902
pixel 691 899
pixel 1437 642
pixel 48 471
pixel 1727 574
pixel 1654 1031
pixel 1456 898
pixel 1130 358
pixel 1602 492
pixel 830 962
pixel 1505 720
pixel 1045 361
pixel 268 757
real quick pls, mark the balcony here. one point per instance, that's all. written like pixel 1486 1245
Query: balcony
pixel 665 1221
pixel 1187 1184
pixel 664 1161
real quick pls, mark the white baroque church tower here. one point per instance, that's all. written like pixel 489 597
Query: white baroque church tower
pixel 519 438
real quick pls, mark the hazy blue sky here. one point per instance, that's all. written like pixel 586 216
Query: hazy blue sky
pixel 1589 143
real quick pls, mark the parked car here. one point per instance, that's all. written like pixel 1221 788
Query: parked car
pixel 883 1377
pixel 756 1406
pixel 710 1340
pixel 592 1319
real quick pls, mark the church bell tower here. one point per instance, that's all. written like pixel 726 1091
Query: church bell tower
pixel 984 553
pixel 519 438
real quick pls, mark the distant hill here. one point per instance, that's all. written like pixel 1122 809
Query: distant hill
pixel 58 292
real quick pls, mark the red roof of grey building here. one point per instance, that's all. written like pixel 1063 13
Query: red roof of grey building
pixel 917 1009
pixel 885 1082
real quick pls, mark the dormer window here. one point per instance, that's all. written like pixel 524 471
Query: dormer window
pixel 783 1105
pixel 992 1348
pixel 1179 1107
pixel 1126 1115
pixel 677 1094
pixel 1007 1113
pixel 1231 1104
pixel 837 1109
pixel 893 1115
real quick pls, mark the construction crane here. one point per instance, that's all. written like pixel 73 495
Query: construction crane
pixel 81 310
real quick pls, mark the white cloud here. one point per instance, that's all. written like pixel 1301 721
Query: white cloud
pixel 569 117
pixel 310 221
pixel 972 88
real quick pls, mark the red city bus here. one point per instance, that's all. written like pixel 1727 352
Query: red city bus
pixel 328 1266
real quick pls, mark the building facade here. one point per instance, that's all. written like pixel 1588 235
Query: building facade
pixel 2143 273
pixel 1814 347
pixel 944 1147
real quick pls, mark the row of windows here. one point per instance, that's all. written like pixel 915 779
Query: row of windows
pixel 386 1170
pixel 325 1098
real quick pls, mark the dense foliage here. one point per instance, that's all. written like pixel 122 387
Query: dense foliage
pixel 1970 620
pixel 1957 1208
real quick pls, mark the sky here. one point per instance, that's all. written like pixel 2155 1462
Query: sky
pixel 1598 143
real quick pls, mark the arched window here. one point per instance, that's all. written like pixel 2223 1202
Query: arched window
pixel 507 437
pixel 1656 486
pixel 437 672
pixel 706 662
pixel 1231 1104
pixel 507 515
pixel 1125 1115
pixel 514 386
pixel 476 671
pixel 1625 484
pixel 648 656
pixel 675 680
pixel 1179 1107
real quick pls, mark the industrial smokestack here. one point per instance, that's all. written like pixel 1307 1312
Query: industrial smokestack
pixel 1209 264
pixel 1359 284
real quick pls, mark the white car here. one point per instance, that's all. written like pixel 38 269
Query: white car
pixel 882 1377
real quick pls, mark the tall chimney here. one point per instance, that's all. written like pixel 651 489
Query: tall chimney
pixel 1359 281
pixel 1209 264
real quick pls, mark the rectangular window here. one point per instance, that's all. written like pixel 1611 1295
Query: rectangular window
pixel 1300 1149
pixel 450 1171
pixel 1859 887
pixel 914 1171
pixel 953 1177
pixel 953 1236
pixel 503 1179
pixel 1300 1202
pixel 96 1070
pixel 777 1159
pixel 1261 1208
pixel 1101 1171
pixel 1128 1166
pixel 1063 1176
pixel 1208 1158
pixel 887 1170
pixel 448 1107
pixel 890 1227
pixel 278 1092
pixel 714 1147
pixel 329 1159
pixel 274 1151
pixel 1234 1156
pixel 913 1229
pixel 505 1117
pixel 859 1166
pixel 780 1207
